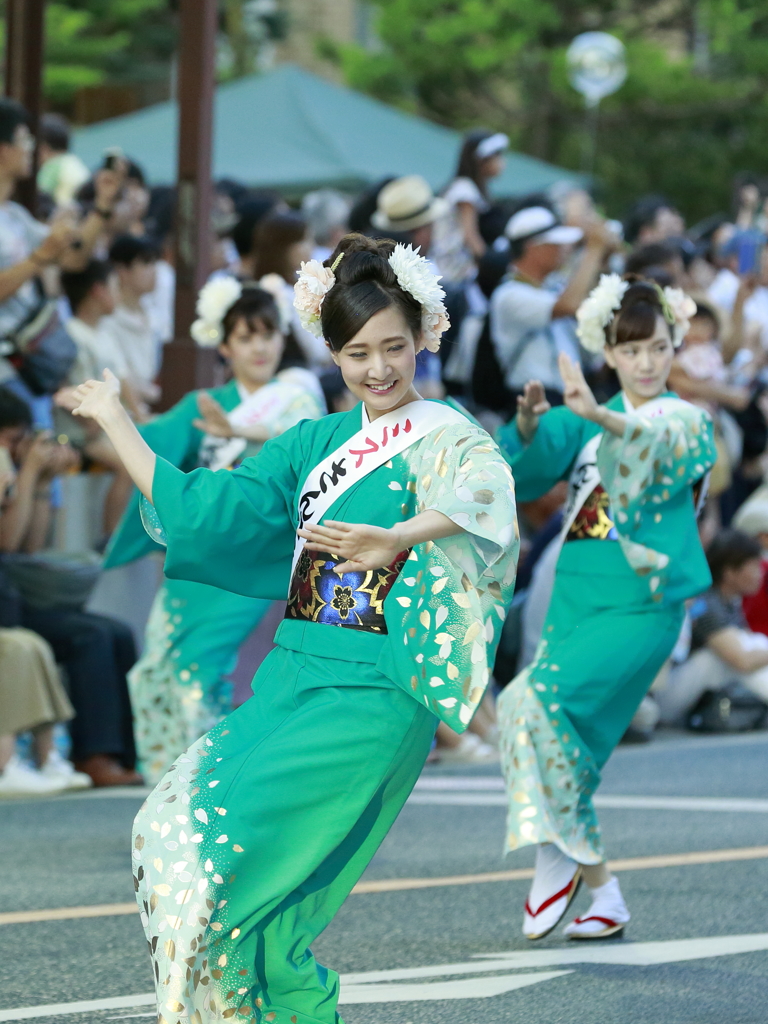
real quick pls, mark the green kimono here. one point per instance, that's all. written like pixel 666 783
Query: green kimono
pixel 247 849
pixel 179 687
pixel 630 557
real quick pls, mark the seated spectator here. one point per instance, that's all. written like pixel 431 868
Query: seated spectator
pixel 752 519
pixel 32 698
pixel 134 260
pixel 251 211
pixel 61 173
pixel 90 293
pixel 528 314
pixel 97 652
pixel 27 246
pixel 723 648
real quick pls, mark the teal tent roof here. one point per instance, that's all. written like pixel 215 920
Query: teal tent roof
pixel 291 130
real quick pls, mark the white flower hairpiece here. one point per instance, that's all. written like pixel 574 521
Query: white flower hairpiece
pixel 682 307
pixel 414 274
pixel 216 297
pixel 596 311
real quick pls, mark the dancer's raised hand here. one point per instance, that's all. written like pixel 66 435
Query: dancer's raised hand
pixel 98 399
pixel 530 405
pixel 577 393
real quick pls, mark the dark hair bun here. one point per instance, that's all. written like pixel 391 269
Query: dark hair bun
pixel 635 319
pixel 365 284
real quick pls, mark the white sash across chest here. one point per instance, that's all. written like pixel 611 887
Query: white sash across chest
pixel 375 443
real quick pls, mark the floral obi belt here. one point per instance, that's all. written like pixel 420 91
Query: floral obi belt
pixel 593 520
pixel 353 599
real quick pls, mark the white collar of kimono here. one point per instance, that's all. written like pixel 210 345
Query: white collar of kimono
pixel 375 443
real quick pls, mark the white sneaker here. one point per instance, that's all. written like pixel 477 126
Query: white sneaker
pixel 469 750
pixel 554 886
pixel 19 779
pixel 57 767
pixel 606 916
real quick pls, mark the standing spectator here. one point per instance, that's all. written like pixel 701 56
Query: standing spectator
pixel 723 649
pixel 251 212
pixel 458 242
pixel 97 652
pixel 652 219
pixel 648 260
pixel 61 173
pixel 134 260
pixel 527 318
pixel 282 245
pixel 327 213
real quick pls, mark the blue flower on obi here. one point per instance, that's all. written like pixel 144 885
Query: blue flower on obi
pixel 343 601
pixel 353 599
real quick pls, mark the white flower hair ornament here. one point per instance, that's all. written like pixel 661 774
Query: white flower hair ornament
pixel 597 311
pixel 678 310
pixel 215 300
pixel 414 274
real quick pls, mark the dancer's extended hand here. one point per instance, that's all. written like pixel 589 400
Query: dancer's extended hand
pixel 98 399
pixel 363 547
pixel 214 420
pixel 577 394
pixel 530 405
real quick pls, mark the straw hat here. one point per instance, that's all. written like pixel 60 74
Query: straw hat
pixel 406 204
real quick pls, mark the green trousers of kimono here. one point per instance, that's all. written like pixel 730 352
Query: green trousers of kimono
pixel 248 847
pixel 560 719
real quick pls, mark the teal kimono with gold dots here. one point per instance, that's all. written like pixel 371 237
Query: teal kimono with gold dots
pixel 257 834
pixel 630 556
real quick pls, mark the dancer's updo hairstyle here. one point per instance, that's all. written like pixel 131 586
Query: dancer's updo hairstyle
pixel 365 284
pixel 635 319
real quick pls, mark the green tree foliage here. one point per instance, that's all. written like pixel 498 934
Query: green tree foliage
pixel 692 113
pixel 89 42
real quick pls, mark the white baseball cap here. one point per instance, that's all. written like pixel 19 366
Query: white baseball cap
pixel 541 226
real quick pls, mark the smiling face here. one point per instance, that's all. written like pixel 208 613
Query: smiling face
pixel 643 366
pixel 253 352
pixel 378 364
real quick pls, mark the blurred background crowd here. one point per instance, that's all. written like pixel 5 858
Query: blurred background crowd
pixel 87 283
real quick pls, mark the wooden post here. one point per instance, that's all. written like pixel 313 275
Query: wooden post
pixel 185 366
pixel 24 36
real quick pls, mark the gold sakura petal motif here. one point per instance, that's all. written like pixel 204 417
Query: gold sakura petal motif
pixel 453 672
pixel 438 586
pixel 461 600
pixel 424 619
pixel 426 481
pixel 471 633
pixel 404 602
pixel 238 848
pixel 175 1005
pixel 235 932
pixel 170 949
pixel 484 496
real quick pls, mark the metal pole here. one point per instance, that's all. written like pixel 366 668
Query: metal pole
pixel 185 366
pixel 25 33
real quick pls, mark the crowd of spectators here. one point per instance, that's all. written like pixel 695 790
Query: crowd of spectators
pixel 87 284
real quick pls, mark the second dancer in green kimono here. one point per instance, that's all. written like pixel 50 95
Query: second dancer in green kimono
pixel 630 556
pixel 392 529
pixel 179 686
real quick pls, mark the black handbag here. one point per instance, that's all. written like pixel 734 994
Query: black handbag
pixel 734 708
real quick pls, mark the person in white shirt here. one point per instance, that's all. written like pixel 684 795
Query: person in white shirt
pixel 725 287
pixel 134 260
pixel 458 244
pixel 530 325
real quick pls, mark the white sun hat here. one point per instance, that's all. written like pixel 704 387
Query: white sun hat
pixel 541 226
pixel 406 204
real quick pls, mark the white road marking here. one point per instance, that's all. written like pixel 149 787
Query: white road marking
pixel 477 798
pixel 467 988
pixel 367 986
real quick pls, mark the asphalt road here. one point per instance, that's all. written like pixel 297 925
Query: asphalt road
pixel 695 952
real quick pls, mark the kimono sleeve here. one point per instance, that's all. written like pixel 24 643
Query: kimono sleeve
pixel 172 437
pixel 547 458
pixel 654 459
pixel 231 529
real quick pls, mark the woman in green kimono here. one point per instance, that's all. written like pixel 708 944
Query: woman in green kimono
pixel 179 688
pixel 398 578
pixel 630 557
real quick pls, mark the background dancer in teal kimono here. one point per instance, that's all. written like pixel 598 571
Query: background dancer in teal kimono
pixel 179 688
pixel 630 557
pixel 399 576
